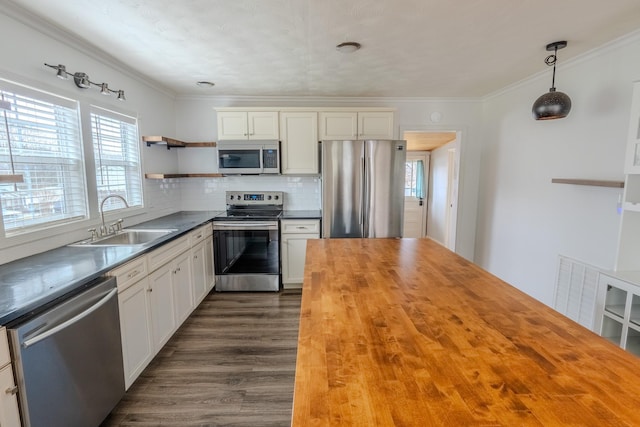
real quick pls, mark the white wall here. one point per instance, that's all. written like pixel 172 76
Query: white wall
pixel 196 121
pixel 26 45
pixel 438 192
pixel 524 221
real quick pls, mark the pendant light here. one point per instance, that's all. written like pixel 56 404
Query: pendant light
pixel 553 104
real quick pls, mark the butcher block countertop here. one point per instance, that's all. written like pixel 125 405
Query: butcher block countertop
pixel 403 332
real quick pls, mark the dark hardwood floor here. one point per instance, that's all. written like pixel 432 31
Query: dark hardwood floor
pixel 232 363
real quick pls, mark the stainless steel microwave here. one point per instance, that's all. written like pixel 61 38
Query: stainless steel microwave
pixel 248 157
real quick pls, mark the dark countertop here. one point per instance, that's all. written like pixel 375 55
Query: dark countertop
pixel 35 281
pixel 301 214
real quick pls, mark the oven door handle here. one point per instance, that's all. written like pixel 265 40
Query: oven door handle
pixel 240 225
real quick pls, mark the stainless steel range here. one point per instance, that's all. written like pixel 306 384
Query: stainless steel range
pixel 246 242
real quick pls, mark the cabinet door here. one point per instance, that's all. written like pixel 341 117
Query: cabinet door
pixel 5 356
pixel 294 251
pixel 375 125
pixel 199 271
pixel 209 264
pixel 135 328
pixel 182 287
pixel 232 125
pixel 9 414
pixel 263 125
pixel 162 306
pixel 338 125
pixel 299 143
pixel 632 164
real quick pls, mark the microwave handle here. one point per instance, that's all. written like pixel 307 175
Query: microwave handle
pixel 261 159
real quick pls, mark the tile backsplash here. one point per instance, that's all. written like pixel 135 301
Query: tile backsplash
pixel 301 192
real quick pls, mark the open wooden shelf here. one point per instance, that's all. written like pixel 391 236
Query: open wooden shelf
pixel 591 182
pixel 6 179
pixel 181 175
pixel 174 143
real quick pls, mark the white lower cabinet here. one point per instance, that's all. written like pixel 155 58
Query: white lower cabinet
pixel 199 273
pixel 295 234
pixel 9 413
pixel 619 312
pixel 182 286
pixel 209 264
pixel 162 306
pixel 136 330
pixel 157 292
pixel 202 262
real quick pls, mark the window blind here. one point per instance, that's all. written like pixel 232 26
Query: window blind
pixel 117 156
pixel 40 139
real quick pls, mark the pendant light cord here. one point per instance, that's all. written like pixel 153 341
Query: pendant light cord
pixel 551 60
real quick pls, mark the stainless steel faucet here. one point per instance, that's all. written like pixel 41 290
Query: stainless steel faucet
pixel 103 227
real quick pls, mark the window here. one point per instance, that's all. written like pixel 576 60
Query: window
pixel 414 179
pixel 117 155
pixel 40 140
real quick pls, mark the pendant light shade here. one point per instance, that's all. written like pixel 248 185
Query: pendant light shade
pixel 553 104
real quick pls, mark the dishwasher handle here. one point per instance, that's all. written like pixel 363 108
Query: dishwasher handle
pixel 31 341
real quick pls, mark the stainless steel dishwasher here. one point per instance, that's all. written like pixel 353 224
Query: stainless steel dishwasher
pixel 68 360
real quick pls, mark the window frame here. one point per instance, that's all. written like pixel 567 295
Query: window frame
pixel 81 196
pixel 130 120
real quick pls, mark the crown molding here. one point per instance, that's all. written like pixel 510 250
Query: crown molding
pixel 61 35
pixel 231 99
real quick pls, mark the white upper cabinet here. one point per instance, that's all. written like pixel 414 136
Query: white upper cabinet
pixel 375 125
pixel 633 139
pixel 248 125
pixel 337 125
pixel 299 136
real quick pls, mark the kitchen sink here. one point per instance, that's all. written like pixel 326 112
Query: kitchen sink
pixel 128 237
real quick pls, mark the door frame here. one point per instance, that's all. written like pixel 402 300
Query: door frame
pixel 460 147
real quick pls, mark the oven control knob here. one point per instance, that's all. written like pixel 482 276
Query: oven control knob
pixel 268 197
pixel 231 197
pixel 238 197
pixel 276 197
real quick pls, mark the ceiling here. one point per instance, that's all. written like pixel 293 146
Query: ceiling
pixel 410 48
pixel 427 141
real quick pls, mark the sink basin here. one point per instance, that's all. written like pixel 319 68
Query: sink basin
pixel 128 237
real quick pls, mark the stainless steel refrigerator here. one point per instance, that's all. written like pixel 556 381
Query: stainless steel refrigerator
pixel 363 188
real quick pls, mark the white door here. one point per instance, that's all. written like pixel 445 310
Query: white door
pixel 415 194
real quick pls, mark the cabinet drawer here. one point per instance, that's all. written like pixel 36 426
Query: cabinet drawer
pixel 200 233
pixel 5 357
pixel 130 273
pixel 166 253
pixel 300 226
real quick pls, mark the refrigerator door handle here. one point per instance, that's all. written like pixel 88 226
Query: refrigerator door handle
pixel 366 214
pixel 361 196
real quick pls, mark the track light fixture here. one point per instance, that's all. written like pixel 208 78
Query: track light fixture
pixel 553 104
pixel 82 81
